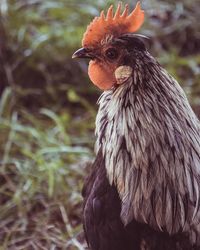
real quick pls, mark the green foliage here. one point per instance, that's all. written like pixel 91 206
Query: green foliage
pixel 41 177
pixel 47 109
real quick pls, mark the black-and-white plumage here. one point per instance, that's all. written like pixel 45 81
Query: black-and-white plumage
pixel 144 189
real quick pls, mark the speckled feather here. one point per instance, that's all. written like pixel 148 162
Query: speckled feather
pixel 150 139
pixel 144 189
pixel 103 227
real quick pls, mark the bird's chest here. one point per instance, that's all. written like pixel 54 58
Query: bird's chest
pixel 144 159
pixel 124 136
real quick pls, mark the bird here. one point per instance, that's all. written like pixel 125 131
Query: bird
pixel 143 191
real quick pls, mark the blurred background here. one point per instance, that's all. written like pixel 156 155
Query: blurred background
pixel 48 108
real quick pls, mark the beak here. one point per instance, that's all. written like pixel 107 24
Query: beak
pixel 83 53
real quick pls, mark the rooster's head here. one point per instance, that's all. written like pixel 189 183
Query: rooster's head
pixel 110 44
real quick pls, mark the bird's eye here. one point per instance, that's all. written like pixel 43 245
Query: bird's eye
pixel 111 53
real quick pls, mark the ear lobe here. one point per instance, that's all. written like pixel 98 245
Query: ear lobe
pixel 123 73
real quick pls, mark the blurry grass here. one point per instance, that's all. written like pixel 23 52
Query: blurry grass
pixel 41 173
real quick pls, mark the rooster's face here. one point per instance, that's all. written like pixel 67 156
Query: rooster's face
pixel 112 61
pixel 110 46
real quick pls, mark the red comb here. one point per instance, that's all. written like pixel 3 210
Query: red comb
pixel 113 25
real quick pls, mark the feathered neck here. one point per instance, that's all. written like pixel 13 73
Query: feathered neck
pixel 147 133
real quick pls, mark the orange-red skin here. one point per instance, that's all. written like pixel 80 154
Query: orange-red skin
pixel 102 75
pixel 119 23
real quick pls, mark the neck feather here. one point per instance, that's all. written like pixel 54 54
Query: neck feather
pixel 150 140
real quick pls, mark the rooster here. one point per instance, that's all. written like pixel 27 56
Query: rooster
pixel 144 188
